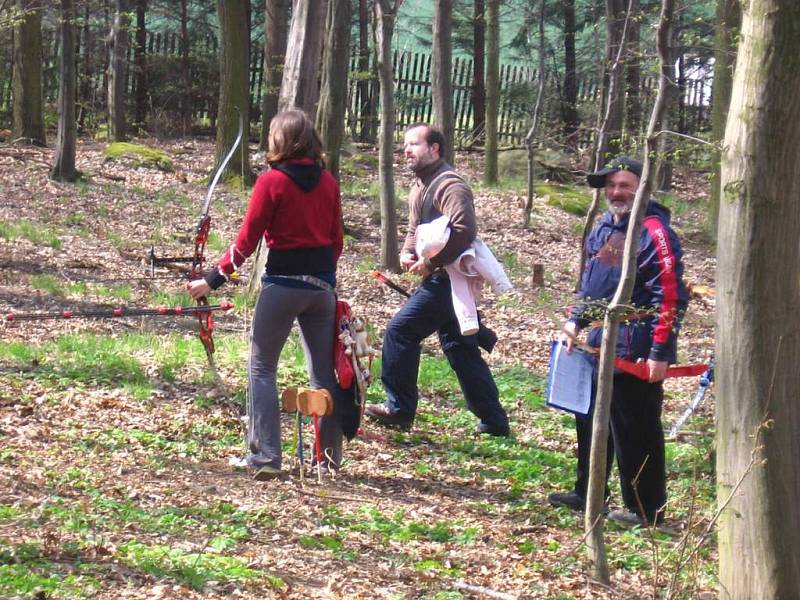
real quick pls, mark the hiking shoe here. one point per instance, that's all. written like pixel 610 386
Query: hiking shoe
pixel 485 429
pixel 266 473
pixel 384 416
pixel 571 500
pixel 629 518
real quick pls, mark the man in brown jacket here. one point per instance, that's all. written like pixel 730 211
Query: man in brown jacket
pixel 438 191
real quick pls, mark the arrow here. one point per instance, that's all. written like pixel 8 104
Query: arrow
pixel 118 312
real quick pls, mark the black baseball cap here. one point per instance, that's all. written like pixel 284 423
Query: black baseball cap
pixel 622 163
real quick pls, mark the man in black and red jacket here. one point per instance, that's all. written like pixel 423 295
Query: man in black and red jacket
pixel 648 333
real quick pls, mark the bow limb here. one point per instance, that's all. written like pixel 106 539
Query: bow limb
pixel 206 318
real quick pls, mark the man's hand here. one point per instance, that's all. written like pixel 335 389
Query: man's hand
pixel 657 370
pixel 407 261
pixel 568 335
pixel 420 268
pixel 198 288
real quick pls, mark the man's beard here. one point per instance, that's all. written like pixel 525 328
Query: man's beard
pixel 620 211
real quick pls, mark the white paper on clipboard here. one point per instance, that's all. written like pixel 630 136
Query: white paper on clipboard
pixel 569 380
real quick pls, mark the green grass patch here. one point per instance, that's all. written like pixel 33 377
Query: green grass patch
pixel 112 361
pixel 26 573
pixel 398 527
pixel 194 570
pixel 171 199
pixel 367 264
pixel 517 382
pixel 361 188
pixel 49 283
pixel 83 357
pixel 9 512
pixel 141 156
pixel 36 233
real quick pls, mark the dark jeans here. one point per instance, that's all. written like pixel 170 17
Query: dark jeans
pixel 637 439
pixel 429 310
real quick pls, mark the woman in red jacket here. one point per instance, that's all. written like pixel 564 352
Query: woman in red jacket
pixel 296 208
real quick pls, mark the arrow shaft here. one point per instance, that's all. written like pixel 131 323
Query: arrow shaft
pixel 118 313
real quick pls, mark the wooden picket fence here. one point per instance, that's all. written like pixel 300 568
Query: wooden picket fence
pixel 412 90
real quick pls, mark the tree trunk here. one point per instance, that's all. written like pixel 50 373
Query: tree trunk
pixel 593 519
pixel 117 73
pixel 364 103
pixel 529 139
pixel 276 17
pixel 385 15
pixel 569 103
pixel 614 97
pixel 234 85
pixel 666 143
pixel 140 65
pixel 64 160
pixel 442 74
pixel 85 93
pixel 333 96
pixel 492 89
pixel 186 72
pixel 729 18
pixel 758 382
pixel 478 67
pixel 633 76
pixel 300 84
pixel 28 104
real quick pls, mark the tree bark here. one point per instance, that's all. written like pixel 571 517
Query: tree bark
pixel 186 71
pixel 28 101
pixel 492 89
pixel 478 67
pixel 758 324
pixel 569 102
pixel 64 160
pixel 614 98
pixel 234 85
pixel 593 520
pixel 364 98
pixel 140 65
pixel 117 73
pixel 529 138
pixel 87 41
pixel 333 96
pixel 633 76
pixel 442 74
pixel 300 83
pixel 385 15
pixel 666 143
pixel 729 19
pixel 276 17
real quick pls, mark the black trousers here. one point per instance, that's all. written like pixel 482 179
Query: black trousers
pixel 637 439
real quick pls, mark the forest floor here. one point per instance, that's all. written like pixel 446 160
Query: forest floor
pixel 116 441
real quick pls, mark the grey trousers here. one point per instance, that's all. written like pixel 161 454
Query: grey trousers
pixel 275 312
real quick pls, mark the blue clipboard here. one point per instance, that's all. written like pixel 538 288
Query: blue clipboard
pixel 569 379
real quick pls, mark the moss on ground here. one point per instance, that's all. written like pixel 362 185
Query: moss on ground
pixel 569 198
pixel 142 156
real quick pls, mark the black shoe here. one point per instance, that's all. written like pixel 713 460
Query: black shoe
pixel 483 428
pixel 384 416
pixel 571 500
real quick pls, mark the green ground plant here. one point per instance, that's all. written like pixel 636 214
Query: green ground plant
pixel 41 235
